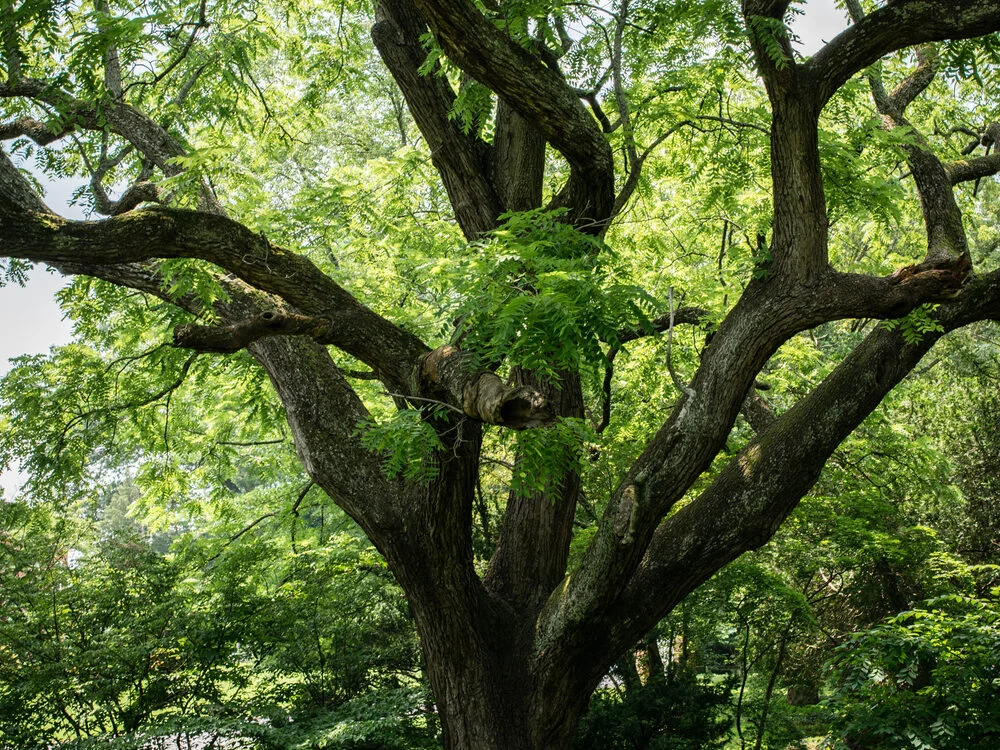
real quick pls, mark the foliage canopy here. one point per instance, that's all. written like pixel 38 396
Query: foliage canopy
pixel 564 306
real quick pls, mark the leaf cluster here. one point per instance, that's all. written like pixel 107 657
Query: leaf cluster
pixel 408 442
pixel 927 678
pixel 541 295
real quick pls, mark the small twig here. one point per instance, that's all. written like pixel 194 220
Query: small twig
pixel 249 443
pixel 609 372
pixel 129 359
pixel 302 496
pixel 201 23
pixel 238 534
pixel 132 404
pixel 678 383
pixel 404 397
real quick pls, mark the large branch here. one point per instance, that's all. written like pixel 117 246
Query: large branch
pixel 767 315
pixel 324 412
pixel 462 160
pixel 756 491
pixel 176 233
pixel 517 162
pixel 895 26
pixel 17 191
pixel 799 249
pixel 323 309
pixel 539 93
pixel 40 132
pixel 973 169
pixel 149 138
pixel 321 407
pixel 942 217
pixel 227 339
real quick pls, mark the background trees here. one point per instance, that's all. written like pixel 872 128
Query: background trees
pixel 515 348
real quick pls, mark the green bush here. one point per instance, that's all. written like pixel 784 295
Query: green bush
pixel 928 679
pixel 679 712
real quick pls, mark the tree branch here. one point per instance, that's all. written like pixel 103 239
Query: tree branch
pixel 942 217
pixel 757 412
pixel 324 411
pixel 681 316
pixel 460 159
pixel 17 192
pixel 122 119
pixel 973 169
pixel 895 26
pixel 176 233
pixel 767 315
pixel 757 489
pixel 325 311
pixel 236 336
pixel 41 133
pixel 540 94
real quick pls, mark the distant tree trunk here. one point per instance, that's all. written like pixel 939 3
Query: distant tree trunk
pixel 769 690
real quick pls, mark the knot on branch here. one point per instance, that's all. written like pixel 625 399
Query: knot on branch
pixel 628 511
pixel 440 365
pixel 483 395
pixel 489 399
pixel 231 338
pixel 988 138
pixel 935 278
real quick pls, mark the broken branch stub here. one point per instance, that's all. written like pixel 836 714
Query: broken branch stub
pixel 483 395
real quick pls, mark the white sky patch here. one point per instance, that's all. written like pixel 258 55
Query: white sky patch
pixel 821 21
pixel 33 321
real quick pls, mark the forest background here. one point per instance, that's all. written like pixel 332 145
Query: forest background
pixel 169 570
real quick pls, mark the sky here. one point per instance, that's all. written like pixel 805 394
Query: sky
pixel 34 322
pixel 821 22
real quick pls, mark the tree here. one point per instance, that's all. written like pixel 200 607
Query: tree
pixel 99 647
pixel 925 677
pixel 513 648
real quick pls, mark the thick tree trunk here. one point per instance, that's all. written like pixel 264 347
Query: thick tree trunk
pixel 492 688
pixel 486 692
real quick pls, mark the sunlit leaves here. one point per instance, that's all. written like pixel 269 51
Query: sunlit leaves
pixel 408 443
pixel 770 34
pixel 548 454
pixel 543 296
pixel 917 324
